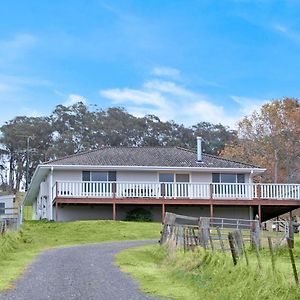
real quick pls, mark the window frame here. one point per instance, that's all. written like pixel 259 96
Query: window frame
pixel 111 176
pixel 237 176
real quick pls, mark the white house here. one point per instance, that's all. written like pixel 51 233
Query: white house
pixel 108 182
pixel 7 205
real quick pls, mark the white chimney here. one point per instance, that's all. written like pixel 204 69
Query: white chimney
pixel 199 148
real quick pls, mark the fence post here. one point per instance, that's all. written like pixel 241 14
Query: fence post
pixel 255 234
pixel 232 247
pixel 291 233
pixel 203 231
pixel 272 253
pixel 290 247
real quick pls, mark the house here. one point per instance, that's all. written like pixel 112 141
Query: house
pixel 109 182
pixel 6 205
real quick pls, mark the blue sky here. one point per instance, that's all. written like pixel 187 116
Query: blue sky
pixel 189 61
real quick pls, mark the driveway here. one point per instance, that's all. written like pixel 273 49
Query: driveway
pixel 85 272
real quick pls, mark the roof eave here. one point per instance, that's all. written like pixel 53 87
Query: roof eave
pixel 157 168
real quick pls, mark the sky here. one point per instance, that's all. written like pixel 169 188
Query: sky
pixel 187 61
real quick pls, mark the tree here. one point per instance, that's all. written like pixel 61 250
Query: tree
pixel 270 138
pixel 15 134
pixel 215 136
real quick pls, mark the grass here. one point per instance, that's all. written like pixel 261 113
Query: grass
pixel 17 249
pixel 200 274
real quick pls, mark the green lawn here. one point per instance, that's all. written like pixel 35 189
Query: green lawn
pixel 207 275
pixel 17 249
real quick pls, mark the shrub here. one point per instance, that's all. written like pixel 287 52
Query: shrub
pixel 139 214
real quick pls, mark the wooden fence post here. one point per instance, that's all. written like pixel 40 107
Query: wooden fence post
pixel 272 253
pixel 290 247
pixel 255 234
pixel 204 232
pixel 232 247
pixel 291 233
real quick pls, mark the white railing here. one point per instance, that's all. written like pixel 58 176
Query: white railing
pixel 234 191
pixel 280 191
pixel 238 191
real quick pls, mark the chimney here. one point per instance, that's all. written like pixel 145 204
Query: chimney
pixel 199 149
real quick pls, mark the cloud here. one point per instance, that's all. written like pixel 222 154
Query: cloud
pixel 170 101
pixel 73 99
pixel 15 47
pixel 286 32
pixel 166 72
pixel 248 105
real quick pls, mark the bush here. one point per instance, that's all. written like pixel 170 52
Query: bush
pixel 139 214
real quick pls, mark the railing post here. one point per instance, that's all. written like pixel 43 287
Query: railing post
pixel 114 189
pixel 211 191
pixel 258 186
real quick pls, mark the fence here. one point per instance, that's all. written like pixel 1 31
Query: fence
pixel 232 235
pixel 189 232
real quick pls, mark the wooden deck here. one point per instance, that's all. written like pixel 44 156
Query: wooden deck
pixel 266 199
pixel 265 209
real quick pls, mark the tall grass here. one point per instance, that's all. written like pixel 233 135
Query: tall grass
pixel 209 275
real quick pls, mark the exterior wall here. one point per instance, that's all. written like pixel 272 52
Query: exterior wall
pixel 201 177
pixel 104 211
pixel 67 175
pixel 84 212
pixel 137 176
pixel 233 212
pixel 189 210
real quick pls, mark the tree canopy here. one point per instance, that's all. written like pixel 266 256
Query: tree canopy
pixel 76 128
pixel 271 138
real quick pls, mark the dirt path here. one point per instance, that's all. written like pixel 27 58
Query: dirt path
pixel 82 272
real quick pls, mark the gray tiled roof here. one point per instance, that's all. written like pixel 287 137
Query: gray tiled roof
pixel 147 156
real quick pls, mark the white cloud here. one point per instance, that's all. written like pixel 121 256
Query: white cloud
pixel 73 99
pixel 166 72
pixel 170 101
pixel 248 105
pixel 287 32
pixel 15 47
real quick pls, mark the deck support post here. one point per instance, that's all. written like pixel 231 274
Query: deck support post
pixel 259 213
pixel 163 213
pixel 56 211
pixel 211 210
pixel 114 211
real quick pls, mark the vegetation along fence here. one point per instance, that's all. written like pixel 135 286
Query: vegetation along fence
pixel 234 236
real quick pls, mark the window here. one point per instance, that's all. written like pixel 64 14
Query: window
pixel 228 178
pixel 2 208
pixel 170 190
pixel 99 176
pixel 182 178
pixel 166 177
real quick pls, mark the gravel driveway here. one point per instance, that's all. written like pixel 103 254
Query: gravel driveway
pixel 82 272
